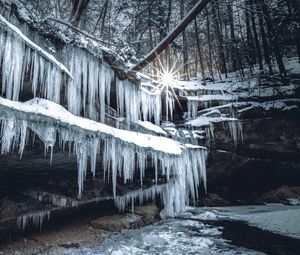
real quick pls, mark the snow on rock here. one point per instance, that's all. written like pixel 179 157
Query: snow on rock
pixel 151 127
pixel 211 116
pixel 213 97
pixel 32 45
pixel 121 148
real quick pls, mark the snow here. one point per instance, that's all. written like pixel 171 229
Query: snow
pixel 205 98
pixel 150 126
pixel 294 201
pixel 205 121
pixel 285 222
pixel 60 115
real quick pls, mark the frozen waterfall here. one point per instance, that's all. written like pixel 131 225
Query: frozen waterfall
pixel 121 149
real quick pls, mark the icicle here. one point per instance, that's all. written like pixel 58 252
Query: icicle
pixel 90 85
pixel 183 167
pixel 236 130
pixel 35 218
pixel 19 55
pixel 192 108
pixel 136 103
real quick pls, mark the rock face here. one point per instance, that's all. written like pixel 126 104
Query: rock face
pixel 285 194
pixel 268 158
pixel 143 215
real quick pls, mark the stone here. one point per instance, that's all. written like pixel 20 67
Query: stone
pixel 212 199
pixel 280 195
pixel 7 213
pixel 143 215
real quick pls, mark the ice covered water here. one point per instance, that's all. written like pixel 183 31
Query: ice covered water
pixel 171 236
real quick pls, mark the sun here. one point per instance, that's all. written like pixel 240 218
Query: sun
pixel 167 78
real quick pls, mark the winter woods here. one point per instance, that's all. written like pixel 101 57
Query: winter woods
pixel 227 36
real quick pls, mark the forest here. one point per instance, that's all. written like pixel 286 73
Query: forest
pixel 149 127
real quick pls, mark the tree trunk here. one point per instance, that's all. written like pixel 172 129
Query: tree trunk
pixel 199 50
pixel 219 38
pixel 200 6
pixel 264 37
pixel 250 40
pixel 233 51
pixel 273 38
pixel 210 60
pixel 256 40
pixel 100 16
pixel 78 8
pixel 103 19
pixel 185 46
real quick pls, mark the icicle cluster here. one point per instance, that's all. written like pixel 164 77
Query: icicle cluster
pixel 192 108
pixel 20 56
pixel 89 90
pixel 124 152
pixel 236 130
pixel 187 172
pixel 36 219
pixel 121 148
pixel 136 103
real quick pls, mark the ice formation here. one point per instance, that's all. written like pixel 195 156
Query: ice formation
pixel 89 90
pixel 192 108
pixel 187 172
pixel 137 103
pixel 19 56
pixel 34 218
pixel 182 165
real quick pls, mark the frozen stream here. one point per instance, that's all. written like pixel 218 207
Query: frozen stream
pixel 188 235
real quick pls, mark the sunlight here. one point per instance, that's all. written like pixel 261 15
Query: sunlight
pixel 167 79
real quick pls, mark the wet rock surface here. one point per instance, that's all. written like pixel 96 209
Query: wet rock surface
pixel 267 159
pixel 84 229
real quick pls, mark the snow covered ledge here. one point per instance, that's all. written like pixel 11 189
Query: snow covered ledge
pixel 20 56
pixel 122 149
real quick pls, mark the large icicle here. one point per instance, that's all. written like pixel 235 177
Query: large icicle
pixel 192 108
pixel 19 55
pixel 187 172
pixel 90 86
pixel 137 103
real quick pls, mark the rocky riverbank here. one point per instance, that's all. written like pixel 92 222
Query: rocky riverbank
pixel 79 230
